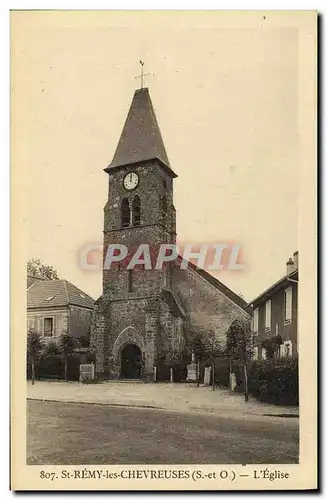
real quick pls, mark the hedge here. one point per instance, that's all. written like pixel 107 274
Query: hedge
pixel 272 381
pixel 275 381
pixel 222 373
pixel 51 366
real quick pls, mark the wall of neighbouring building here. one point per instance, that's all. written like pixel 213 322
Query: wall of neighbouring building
pixel 35 321
pixel 79 321
pixel 278 326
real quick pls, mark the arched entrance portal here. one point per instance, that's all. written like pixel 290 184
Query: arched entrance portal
pixel 131 362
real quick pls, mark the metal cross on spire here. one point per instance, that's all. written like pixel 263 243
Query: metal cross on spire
pixel 142 75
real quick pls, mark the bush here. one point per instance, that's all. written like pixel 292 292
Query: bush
pixel 275 381
pixel 85 354
pixel 222 373
pixel 52 366
pixel 51 348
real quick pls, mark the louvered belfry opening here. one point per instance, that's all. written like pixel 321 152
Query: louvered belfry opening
pixel 125 213
pixel 136 209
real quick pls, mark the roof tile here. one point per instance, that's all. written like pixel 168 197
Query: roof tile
pixel 56 293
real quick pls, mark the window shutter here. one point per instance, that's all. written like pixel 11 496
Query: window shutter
pixel 288 347
pixel 255 320
pixel 288 304
pixel 268 315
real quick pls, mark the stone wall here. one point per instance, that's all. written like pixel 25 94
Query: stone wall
pixel 117 323
pixel 97 340
pixel 207 308
pixel 146 322
pixel 153 183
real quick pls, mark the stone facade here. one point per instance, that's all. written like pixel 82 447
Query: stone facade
pixel 151 309
pixel 207 307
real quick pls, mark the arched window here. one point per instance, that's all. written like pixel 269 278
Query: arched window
pixel 136 207
pixel 125 213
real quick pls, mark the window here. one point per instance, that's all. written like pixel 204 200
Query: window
pixel 163 206
pixel 255 319
pixel 268 316
pixel 48 327
pixel 30 323
pixel 136 210
pixel 125 213
pixel 255 353
pixel 130 281
pixel 263 353
pixel 286 349
pixel 288 305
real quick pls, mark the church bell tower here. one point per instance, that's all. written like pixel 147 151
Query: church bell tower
pixel 140 206
pixel 139 210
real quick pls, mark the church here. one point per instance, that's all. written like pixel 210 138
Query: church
pixel 145 315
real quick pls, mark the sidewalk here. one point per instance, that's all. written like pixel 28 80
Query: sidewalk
pixel 175 397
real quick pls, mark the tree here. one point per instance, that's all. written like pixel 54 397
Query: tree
pixel 198 349
pixel 205 347
pixel 176 361
pixel 239 347
pixel 67 344
pixel 51 349
pixel 272 346
pixel 38 270
pixel 35 346
pixel 215 351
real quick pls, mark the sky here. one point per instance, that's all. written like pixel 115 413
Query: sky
pixel 226 99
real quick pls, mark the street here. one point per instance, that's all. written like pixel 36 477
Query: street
pixel 77 433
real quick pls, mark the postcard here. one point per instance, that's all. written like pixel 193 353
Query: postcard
pixel 163 306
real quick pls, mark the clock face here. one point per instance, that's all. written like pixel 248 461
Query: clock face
pixel 131 181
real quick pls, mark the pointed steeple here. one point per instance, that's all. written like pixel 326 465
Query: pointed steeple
pixel 140 139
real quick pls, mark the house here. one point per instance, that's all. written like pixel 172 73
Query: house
pixel 275 315
pixel 145 313
pixel 57 306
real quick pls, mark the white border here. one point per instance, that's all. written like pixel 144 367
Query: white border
pixel 5 6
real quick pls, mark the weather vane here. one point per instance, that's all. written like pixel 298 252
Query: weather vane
pixel 142 75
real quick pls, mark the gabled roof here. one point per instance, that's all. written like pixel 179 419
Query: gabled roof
pixel 220 286
pixel 173 303
pixel 141 138
pixel 281 283
pixel 56 293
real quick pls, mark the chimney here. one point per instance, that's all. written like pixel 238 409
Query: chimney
pixel 296 260
pixel 290 266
